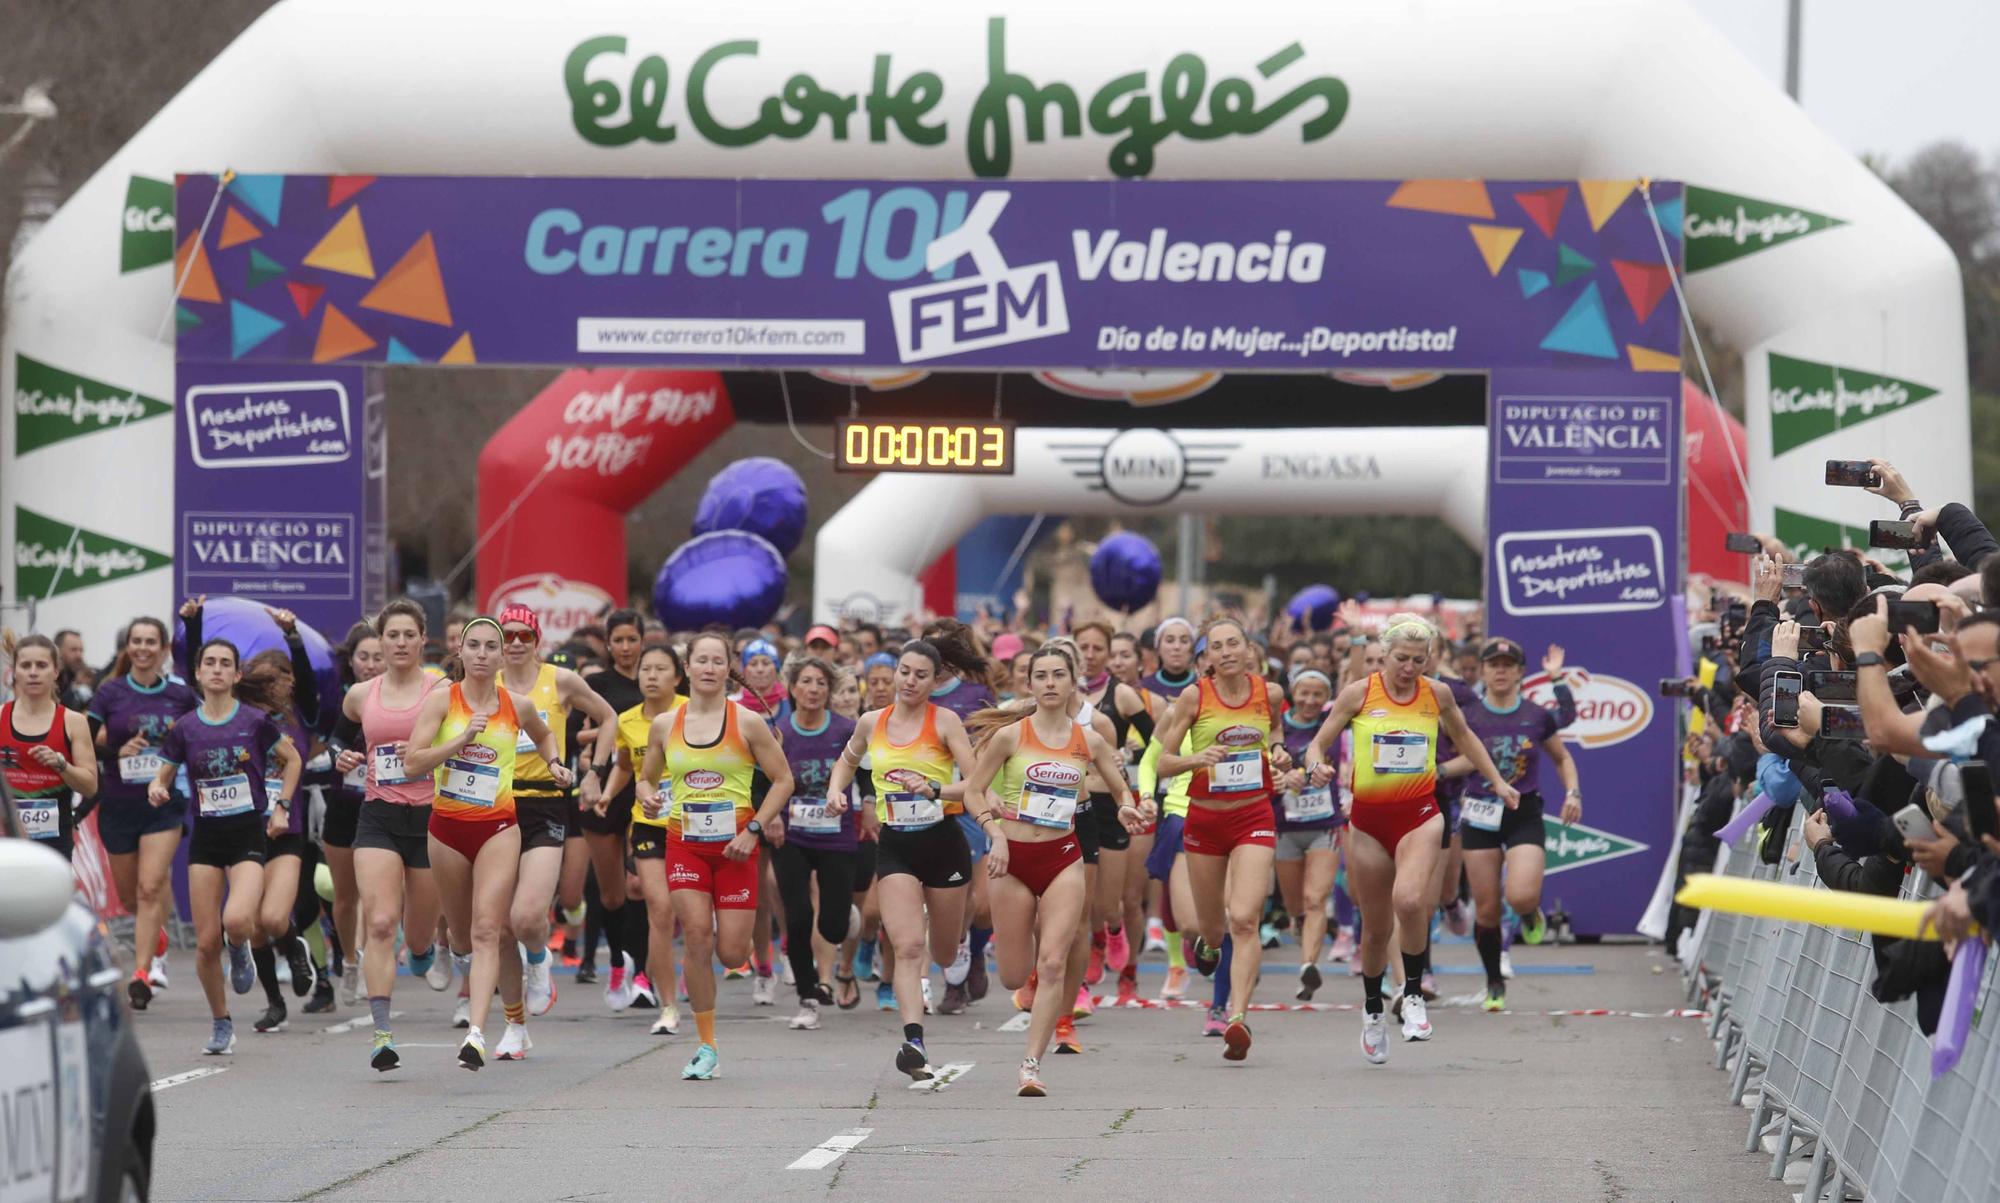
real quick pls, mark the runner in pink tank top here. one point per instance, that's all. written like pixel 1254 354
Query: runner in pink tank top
pixel 387 730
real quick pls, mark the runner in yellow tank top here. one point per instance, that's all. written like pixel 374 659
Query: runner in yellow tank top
pixel 468 735
pixel 1394 845
pixel 661 678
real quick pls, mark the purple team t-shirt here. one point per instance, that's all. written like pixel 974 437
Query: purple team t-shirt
pixel 124 709
pixel 1296 738
pixel 225 761
pixel 811 754
pixel 1513 738
pixel 963 698
pixel 1158 683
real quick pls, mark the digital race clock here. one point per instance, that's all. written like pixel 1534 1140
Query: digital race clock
pixel 920 445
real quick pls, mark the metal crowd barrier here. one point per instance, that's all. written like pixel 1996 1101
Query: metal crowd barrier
pixel 1838 1085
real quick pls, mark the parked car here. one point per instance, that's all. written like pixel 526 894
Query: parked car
pixel 76 1101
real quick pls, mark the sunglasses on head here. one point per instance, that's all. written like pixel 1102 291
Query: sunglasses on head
pixel 517 636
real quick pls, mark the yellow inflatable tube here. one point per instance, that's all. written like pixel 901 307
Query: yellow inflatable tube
pixel 1806 904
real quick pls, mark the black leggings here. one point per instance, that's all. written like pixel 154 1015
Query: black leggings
pixel 795 867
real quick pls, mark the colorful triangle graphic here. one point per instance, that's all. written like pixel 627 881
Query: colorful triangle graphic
pixel 1584 330
pixel 344 249
pixel 338 337
pixel 248 328
pixel 1495 244
pixel 340 188
pixel 413 288
pixel 1571 263
pixel 236 229
pixel 304 296
pixel 263 193
pixel 1532 282
pixel 1644 284
pixel 1601 198
pixel 398 353
pixel 184 319
pixel 1670 215
pixel 263 268
pixel 1544 208
pixel 197 281
pixel 1645 359
pixel 461 351
pixel 1466 198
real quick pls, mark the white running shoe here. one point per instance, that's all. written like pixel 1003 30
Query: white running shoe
pixel 1375 1038
pixel 621 985
pixel 461 1015
pixel 538 988
pixel 669 1022
pixel 514 1043
pixel 927 996
pixel 764 991
pixel 438 976
pixel 350 982
pixel 1156 937
pixel 156 977
pixel 790 978
pixel 807 1020
pixel 1506 966
pixel 1416 1018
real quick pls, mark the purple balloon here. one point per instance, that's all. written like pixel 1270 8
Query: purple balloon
pixel 1125 571
pixel 244 623
pixel 1961 997
pixel 732 577
pixel 1745 819
pixel 1313 607
pixel 760 495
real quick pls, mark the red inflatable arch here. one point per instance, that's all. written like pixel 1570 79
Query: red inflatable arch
pixel 556 483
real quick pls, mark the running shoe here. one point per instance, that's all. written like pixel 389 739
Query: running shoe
pixel 1236 1040
pixel 1269 935
pixel 461 1015
pixel 1031 1080
pixel 538 986
pixel 1093 973
pixel 704 1066
pixel 1506 966
pixel 221 1039
pixel 586 973
pixel 1215 1024
pixel 514 1043
pixel 1024 998
pixel 1117 951
pixel 807 1020
pixel 620 989
pixel 1086 1006
pixel 885 996
pixel 910 1059
pixel 1534 928
pixel 786 975
pixel 1176 985
pixel 669 1022
pixel 1458 919
pixel 976 981
pixel 1416 1018
pixel 1343 946
pixel 1309 982
pixel 1427 985
pixel 301 966
pixel 864 961
pixel 643 994
pixel 1156 936
pixel 273 1018
pixel 1203 957
pixel 954 1000
pixel 961 961
pixel 764 991
pixel 156 977
pixel 1495 1000
pixel 1375 1038
pixel 927 995
pixel 730 975
pixel 382 1052
pixel 350 984
pixel 1066 1041
pixel 1128 988
pixel 322 1000
pixel 242 970
pixel 139 991
pixel 438 976
pixel 472 1051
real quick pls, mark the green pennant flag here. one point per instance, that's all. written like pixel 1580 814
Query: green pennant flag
pixel 1719 226
pixel 51 405
pixel 148 234
pixel 52 558
pixel 1811 400
pixel 1576 845
pixel 1807 536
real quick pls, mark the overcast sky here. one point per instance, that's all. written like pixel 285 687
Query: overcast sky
pixel 1882 76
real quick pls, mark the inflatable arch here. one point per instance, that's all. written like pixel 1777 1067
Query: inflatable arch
pixel 1843 305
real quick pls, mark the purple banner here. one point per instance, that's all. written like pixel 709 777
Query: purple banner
pixel 1300 275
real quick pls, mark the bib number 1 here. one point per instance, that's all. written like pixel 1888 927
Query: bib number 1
pixel 1482 813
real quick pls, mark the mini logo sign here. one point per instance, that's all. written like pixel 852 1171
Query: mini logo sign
pixel 147 234
pixel 1576 845
pixel 1609 710
pixel 274 425
pixel 1144 466
pixel 1053 773
pixel 998 306
pixel 702 779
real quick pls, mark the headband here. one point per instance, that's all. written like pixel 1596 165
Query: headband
pixel 1314 674
pixel 523 615
pixel 759 647
pixel 879 660
pixel 471 623
pixel 1176 620
pixel 1426 631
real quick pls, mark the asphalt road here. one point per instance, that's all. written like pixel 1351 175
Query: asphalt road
pixel 1520 1106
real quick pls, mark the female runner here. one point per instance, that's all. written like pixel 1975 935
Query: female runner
pixel 1230 719
pixel 1126 707
pixel 1125 665
pixel 1173 639
pixel 818 846
pixel 229 749
pixel 361 658
pixel 1509 836
pixel 962 689
pixel 699 761
pixel 45 748
pixel 1309 824
pixel 662 687
pixel 391 855
pixel 466 737
pixel 1038 880
pixel 923 863
pixel 134 707
pixel 1393 842
pixel 605 824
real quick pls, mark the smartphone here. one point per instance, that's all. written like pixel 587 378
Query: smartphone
pixel 1829 685
pixel 1743 544
pixel 1813 639
pixel 1676 687
pixel 1736 615
pixel 1852 473
pixel 1978 784
pixel 1842 722
pixel 1903 683
pixel 1711 644
pixel 1899 535
pixel 1795 576
pixel 1786 685
pixel 1914 823
pixel 1918 616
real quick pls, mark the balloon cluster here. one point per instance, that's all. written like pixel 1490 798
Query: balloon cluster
pixel 751 516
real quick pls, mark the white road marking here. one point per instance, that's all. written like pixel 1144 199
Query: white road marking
pixel 1017 1024
pixel 192 1075
pixel 349 1025
pixel 829 1152
pixel 946 1075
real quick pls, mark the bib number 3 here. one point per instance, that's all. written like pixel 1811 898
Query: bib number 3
pixel 1401 752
